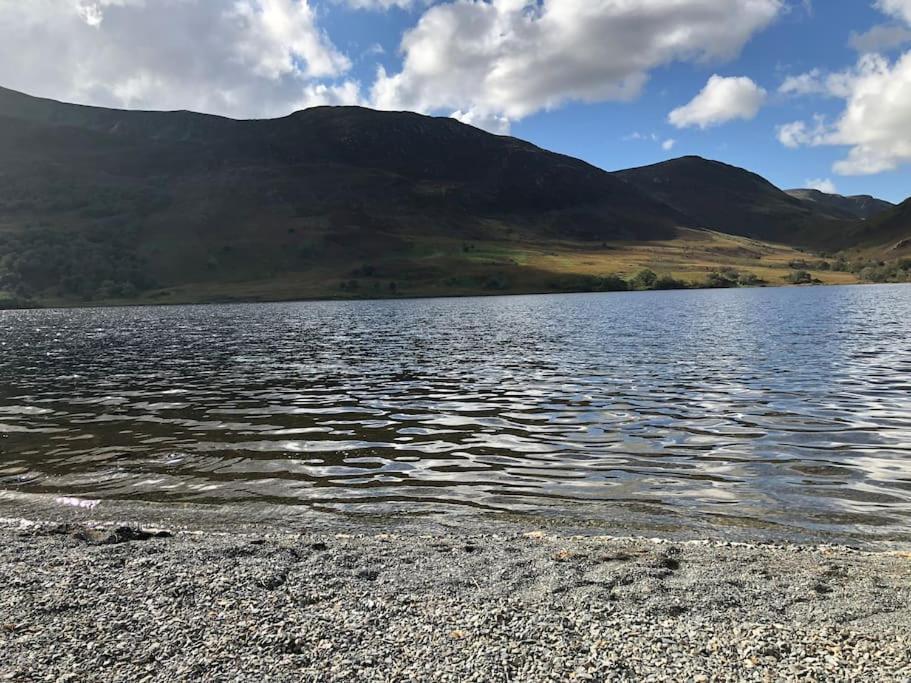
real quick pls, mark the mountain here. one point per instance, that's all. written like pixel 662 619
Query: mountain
pixel 857 207
pixel 722 197
pixel 106 205
pixel 90 196
pixel 888 234
pixel 322 156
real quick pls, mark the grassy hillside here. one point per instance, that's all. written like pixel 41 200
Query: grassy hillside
pixel 888 234
pixel 439 266
pixel 97 204
pixel 882 247
pixel 108 206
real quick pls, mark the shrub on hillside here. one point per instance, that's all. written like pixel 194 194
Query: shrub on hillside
pixel 665 282
pixel 612 283
pixel 644 279
pixel 800 277
pixel 722 279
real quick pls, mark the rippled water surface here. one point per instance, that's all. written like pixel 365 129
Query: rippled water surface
pixel 785 409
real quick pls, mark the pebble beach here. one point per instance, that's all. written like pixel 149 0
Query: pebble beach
pixel 115 603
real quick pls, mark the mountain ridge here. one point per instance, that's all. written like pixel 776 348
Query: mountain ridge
pixel 720 196
pixel 861 207
pixel 523 177
pixel 888 233
pixel 106 203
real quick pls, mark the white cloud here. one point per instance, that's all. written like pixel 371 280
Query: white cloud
pixel 503 60
pixel 901 9
pixel 799 134
pixel 822 184
pixel 489 62
pixel 809 83
pixel 793 135
pixel 880 39
pixel 321 94
pixel 382 4
pixel 91 14
pixel 233 57
pixel 489 121
pixel 277 36
pixel 721 100
pixel 92 11
pixel 636 135
pixel 876 121
pixel 815 83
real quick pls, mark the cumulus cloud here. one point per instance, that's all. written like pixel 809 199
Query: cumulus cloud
pixel 721 100
pixel 809 83
pixel 900 9
pixel 321 94
pixel 822 184
pixel 233 57
pixel 876 121
pixel 801 134
pixel 668 144
pixel 502 60
pixel 794 134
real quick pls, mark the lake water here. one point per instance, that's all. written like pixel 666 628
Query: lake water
pixel 781 412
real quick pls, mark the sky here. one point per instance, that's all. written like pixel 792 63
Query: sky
pixel 808 93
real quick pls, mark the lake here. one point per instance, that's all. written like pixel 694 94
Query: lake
pixel 772 412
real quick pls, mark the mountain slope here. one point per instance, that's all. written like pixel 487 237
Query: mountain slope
pixel 722 197
pixel 858 207
pixel 96 198
pixel 108 205
pixel 887 235
pixel 438 162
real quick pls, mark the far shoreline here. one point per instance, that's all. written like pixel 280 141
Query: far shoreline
pixel 114 304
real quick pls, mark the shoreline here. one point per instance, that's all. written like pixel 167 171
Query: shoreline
pixel 500 603
pixel 63 306
pixel 270 518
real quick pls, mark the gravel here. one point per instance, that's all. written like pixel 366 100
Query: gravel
pixel 125 604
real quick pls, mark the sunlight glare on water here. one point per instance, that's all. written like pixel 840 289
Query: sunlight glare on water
pixel 786 408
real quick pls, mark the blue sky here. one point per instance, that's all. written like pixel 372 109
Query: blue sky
pixel 808 36
pixel 794 44
pixel 596 79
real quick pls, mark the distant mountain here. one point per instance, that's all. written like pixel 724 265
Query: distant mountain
pixel 318 160
pixel 887 234
pixel 184 197
pixel 107 204
pixel 729 199
pixel 859 207
pixel 173 197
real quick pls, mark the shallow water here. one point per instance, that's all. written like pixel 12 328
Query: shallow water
pixel 781 410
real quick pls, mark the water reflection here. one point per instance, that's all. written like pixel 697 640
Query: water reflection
pixel 788 407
